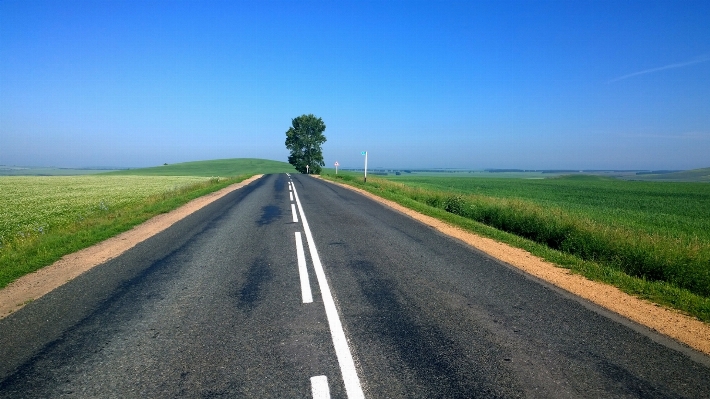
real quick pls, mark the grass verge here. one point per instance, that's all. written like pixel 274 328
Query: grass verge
pixel 28 254
pixel 558 238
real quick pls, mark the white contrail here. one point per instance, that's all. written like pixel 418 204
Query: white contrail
pixel 671 66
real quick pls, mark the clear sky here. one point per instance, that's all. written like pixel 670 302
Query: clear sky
pixel 470 84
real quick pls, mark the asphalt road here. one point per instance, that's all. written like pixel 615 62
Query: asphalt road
pixel 217 306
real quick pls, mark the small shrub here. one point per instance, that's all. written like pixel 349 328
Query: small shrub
pixel 454 204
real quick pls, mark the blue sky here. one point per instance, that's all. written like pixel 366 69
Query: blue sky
pixel 487 84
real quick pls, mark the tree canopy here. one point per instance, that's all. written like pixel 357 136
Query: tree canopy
pixel 304 139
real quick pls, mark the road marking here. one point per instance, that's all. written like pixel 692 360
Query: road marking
pixel 302 270
pixel 290 194
pixel 293 212
pixel 319 387
pixel 342 350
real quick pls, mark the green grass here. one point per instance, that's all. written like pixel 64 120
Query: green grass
pixel 651 239
pixel 219 167
pixel 43 218
pixel 672 209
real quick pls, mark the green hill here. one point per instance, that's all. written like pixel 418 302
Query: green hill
pixel 217 167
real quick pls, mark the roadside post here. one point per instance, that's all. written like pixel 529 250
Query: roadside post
pixel 307 172
pixel 336 167
pixel 365 154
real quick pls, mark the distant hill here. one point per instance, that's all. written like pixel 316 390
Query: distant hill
pixel 694 175
pixel 217 167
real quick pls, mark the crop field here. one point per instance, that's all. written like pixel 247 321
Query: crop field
pixel 20 171
pixel 656 233
pixel 217 167
pixel 670 209
pixel 31 206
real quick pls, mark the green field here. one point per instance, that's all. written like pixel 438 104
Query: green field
pixel 23 171
pixel 218 167
pixel 650 238
pixel 43 218
pixel 670 209
pixel 32 205
pixel 695 175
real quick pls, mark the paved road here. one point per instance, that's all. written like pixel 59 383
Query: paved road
pixel 217 306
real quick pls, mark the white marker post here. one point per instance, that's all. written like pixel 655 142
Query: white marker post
pixel 336 167
pixel 307 172
pixel 365 154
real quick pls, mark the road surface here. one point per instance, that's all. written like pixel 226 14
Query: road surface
pixel 295 288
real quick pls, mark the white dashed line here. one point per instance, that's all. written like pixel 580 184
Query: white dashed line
pixel 319 387
pixel 340 342
pixel 293 212
pixel 302 271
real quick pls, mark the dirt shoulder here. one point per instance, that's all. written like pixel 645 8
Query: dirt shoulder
pixel 682 328
pixel 35 285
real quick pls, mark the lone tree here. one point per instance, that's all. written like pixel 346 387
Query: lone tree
pixel 304 139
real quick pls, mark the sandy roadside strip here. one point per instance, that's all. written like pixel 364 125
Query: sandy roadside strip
pixel 35 285
pixel 671 323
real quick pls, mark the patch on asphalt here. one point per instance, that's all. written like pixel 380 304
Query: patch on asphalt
pixel 257 277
